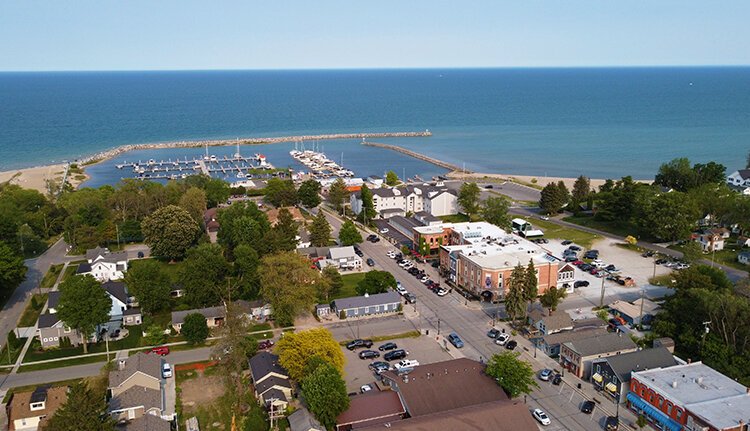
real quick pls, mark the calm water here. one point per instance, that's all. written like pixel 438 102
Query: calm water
pixel 599 122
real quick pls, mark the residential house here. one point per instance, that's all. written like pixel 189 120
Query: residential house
pixel 367 305
pixel 145 423
pixel 550 344
pixel 270 380
pixel 30 410
pixel 118 295
pixel 51 330
pixel 576 356
pixel 611 375
pixel 691 397
pixel 137 388
pixel 211 224
pixel 376 408
pixel 323 310
pixel 709 241
pixel 566 274
pixel 549 322
pixel 214 316
pixel 744 257
pixel 740 179
pixel 104 265
pixel 637 312
pixel 256 310
pixel 303 420
pixel 344 258
pixel 388 202
pixel 132 317
pixel 273 214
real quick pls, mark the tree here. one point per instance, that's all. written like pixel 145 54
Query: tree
pixel 83 305
pixel 552 297
pixel 495 211
pixel 668 216
pixel 155 335
pixel 391 178
pixel 368 208
pixel 169 232
pixel 515 303
pixel 702 277
pixel 349 234
pixel 581 191
pixel 338 194
pixel 246 262
pixel 562 190
pixel 297 349
pixel 232 349
pixel 376 282
pixel 530 285
pixel 194 201
pixel 280 193
pixel 320 231
pixel 283 235
pixel 551 201
pixel 243 223
pixel 468 198
pixel 334 279
pixel 515 376
pixel 195 328
pixel 150 285
pixel 12 269
pixel 84 410
pixel 289 284
pixel 325 393
pixel 203 275
pixel 692 252
pixel 676 174
pixel 309 193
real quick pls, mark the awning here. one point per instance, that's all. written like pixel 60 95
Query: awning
pixel 611 387
pixel 597 377
pixel 652 412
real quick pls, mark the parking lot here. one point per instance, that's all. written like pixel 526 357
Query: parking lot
pixel 423 349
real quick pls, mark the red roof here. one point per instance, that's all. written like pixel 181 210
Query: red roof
pixel 370 409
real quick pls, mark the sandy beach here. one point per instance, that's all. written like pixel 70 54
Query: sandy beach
pixel 524 179
pixel 35 178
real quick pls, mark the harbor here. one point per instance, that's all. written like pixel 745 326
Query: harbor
pixel 321 167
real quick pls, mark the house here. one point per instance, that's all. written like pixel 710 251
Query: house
pixel 576 356
pixel 611 375
pixel 721 231
pixel 29 410
pixel 550 344
pixel 273 214
pixel 739 179
pixel 566 274
pixel 367 305
pixel 303 420
pixel 137 388
pixel 744 257
pixel 256 310
pixel 709 241
pixel 640 311
pixel 118 295
pixel 214 316
pixel 391 201
pixel 104 265
pixel 270 380
pixel 132 317
pixel 343 258
pixel 211 224
pixel 743 241
pixel 302 237
pixel 51 330
pixel 323 310
pixel 689 396
pixel 550 322
pixel 376 408
pixel 145 423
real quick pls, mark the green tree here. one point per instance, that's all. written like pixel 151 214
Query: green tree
pixel 563 192
pixel 284 234
pixel 335 281
pixel 376 282
pixel 320 231
pixel 368 208
pixel 281 193
pixel 83 305
pixel 170 231
pixel 676 174
pixel 530 285
pixel 338 194
pixel 551 298
pixel 702 277
pixel 289 284
pixel 692 252
pixel 391 178
pixel 150 285
pixel 83 410
pixel 515 376
pixel 194 201
pixel 297 349
pixel 325 393
pixel 668 216
pixel 203 275
pixel 12 269
pixel 515 303
pixel 581 191
pixel 195 328
pixel 309 193
pixel 551 201
pixel 495 211
pixel 349 234
pixel 243 223
pixel 155 335
pixel 468 198
pixel 246 262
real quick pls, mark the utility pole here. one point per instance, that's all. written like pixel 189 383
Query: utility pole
pixel 640 317
pixel 705 332
pixel 601 300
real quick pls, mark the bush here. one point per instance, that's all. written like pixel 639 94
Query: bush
pixel 342 315
pixel 194 328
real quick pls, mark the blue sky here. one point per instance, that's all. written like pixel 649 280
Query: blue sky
pixel 185 34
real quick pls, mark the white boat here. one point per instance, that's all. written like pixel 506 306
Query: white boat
pixel 241 175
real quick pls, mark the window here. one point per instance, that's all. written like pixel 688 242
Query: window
pixel 598 368
pixel 677 413
pixel 37 406
pixel 669 408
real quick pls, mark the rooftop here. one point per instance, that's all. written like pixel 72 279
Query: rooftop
pixel 554 321
pixel 690 383
pixel 264 363
pixel 134 397
pixel 646 359
pixel 303 420
pixel 564 337
pixel 210 312
pixel 374 407
pixel 605 343
pixel 389 297
pixel 117 289
pixel 140 362
pixel 145 423
pixel 47 320
pixel 724 413
pixel 19 405
pixel 341 252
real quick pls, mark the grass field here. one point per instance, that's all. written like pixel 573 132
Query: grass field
pixel 615 228
pixel 170 269
pixel 32 311
pixel 554 231
pixel 51 276
pixel 350 285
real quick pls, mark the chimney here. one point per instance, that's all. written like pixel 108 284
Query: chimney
pixel 674 383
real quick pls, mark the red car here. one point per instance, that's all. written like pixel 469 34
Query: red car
pixel 265 344
pixel 577 262
pixel 161 351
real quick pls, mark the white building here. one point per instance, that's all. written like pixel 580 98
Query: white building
pixel 103 265
pixel 739 178
pixel 388 202
pixel 343 258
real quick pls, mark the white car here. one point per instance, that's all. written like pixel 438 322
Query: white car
pixel 166 371
pixel 442 292
pixel 408 266
pixel 401 291
pixel 598 263
pixel 391 254
pixel 365 388
pixel 384 230
pixel 404 263
pixel 541 417
pixel 406 363
pixel 502 339
pixel 424 279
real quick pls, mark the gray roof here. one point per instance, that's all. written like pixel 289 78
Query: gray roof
pixel 145 363
pixel 94 253
pixel 342 252
pixel 389 297
pixel 384 192
pixel 47 320
pixel 273 394
pixel 565 336
pixel 392 211
pixel 557 320
pixel 136 396
pixel 53 298
pixel 313 251
pixel 425 216
pixel 131 311
pixel 210 312
pixel 146 423
pixel 646 359
pixel 83 268
pixel 605 343
pixel 270 382
pixel 264 363
pixel 117 289
pixel 303 420
pixel 723 413
pixel 690 383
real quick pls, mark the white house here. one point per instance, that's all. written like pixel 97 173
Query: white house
pixel 343 258
pixel 103 265
pixel 710 241
pixel 388 202
pixel 739 178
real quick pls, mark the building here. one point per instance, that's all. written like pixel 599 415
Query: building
pixel 577 356
pixel 119 297
pixel 270 380
pixel 611 375
pixel 257 309
pixel 343 258
pixel 525 229
pixel 211 224
pixel 479 257
pixel 29 410
pixel 303 420
pixel 387 202
pixel 691 396
pixel 739 179
pixel 51 331
pixel 367 305
pixel 374 408
pixel 549 322
pixel 709 241
pixel 214 316
pixel 145 423
pixel 104 265
pixel 137 388
pixel 641 310
pixel 550 344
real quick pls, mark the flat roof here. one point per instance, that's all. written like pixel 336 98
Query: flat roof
pixel 690 383
pixel 724 413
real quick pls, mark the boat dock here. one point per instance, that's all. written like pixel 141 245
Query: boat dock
pixel 416 155
pixel 319 164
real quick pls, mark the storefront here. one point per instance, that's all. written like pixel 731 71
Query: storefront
pixel 656 417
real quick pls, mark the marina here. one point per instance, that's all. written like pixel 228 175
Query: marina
pixel 320 165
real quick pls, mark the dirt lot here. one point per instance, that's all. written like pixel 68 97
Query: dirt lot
pixel 200 390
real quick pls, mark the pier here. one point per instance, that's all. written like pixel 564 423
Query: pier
pixel 436 162
pixel 242 167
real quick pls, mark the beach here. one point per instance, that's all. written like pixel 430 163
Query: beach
pixel 524 179
pixel 36 178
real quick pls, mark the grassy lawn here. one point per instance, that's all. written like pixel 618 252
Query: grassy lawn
pixel 727 257
pixel 32 311
pixel 662 280
pixel 51 276
pixel 170 269
pixel 13 353
pixel 65 363
pixel 69 272
pixel 615 228
pixel 350 285
pixel 554 231
pixel 454 218
pixel 260 327
pixel 133 340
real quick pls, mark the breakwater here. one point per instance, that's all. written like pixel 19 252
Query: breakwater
pixel 105 155
pixel 428 159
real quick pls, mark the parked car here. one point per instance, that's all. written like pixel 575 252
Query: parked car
pixel 611 268
pixel 502 339
pixel 372 237
pixel 368 354
pixel 404 262
pixel 489 186
pixel 612 423
pixel 161 351
pixel 401 291
pixel 370 262
pixel 358 252
pixel 424 279
pixel 166 371
pixel 440 291
pixel 391 254
pixel 541 417
pixel 571 258
pixel 410 298
pixel 388 346
pixel 588 407
pixel 574 248
pixel 384 230
pixel 265 344
pixel 493 333
pixel 395 355
pixel 455 340
pixel 379 366
pixel 355 344
pixel 567 242
pixel 557 379
pixel 545 374
pixel 544 217
pixel 365 388
pixel 580 283
pixel 511 345
pixel 406 363
pixel 586 267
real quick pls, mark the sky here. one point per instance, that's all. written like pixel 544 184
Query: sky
pixel 330 34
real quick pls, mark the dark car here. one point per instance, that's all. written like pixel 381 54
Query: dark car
pixel 388 346
pixel 140 255
pixel 591 254
pixel 567 242
pixel 493 333
pixel 265 344
pixel 410 298
pixel 557 380
pixel 571 258
pixel 610 267
pixel 580 283
pixel 358 252
pixel 612 423
pixel 574 248
pixel 660 261
pixel 395 355
pixel 511 345
pixel 379 366
pixel 586 267
pixel 588 407
pixel 489 186
pixel 368 354
pixel 371 237
pixel 370 262
pixel 355 344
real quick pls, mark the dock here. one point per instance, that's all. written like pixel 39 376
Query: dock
pixel 175 169
pixel 410 153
